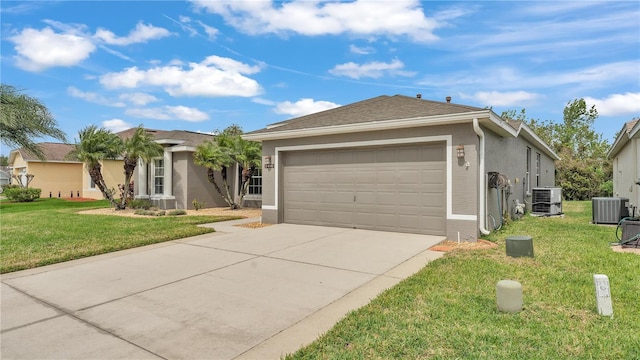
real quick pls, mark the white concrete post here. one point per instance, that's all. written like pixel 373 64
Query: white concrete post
pixel 141 182
pixel 603 294
pixel 168 172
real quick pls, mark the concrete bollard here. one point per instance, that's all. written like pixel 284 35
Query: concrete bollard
pixel 509 296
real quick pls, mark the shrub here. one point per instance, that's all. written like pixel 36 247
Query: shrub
pixel 144 204
pixel 177 212
pixel 197 205
pixel 19 194
pixel 10 186
pixel 155 212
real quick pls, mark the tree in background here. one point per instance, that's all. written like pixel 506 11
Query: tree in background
pixel 139 146
pixel 4 161
pixel 23 119
pixel 226 150
pixel 583 170
pixel 95 146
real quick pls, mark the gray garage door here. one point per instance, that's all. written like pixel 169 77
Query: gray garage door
pixel 400 188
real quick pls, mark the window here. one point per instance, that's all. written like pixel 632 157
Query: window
pixel 158 176
pixel 255 184
pixel 528 178
pixel 92 184
pixel 537 169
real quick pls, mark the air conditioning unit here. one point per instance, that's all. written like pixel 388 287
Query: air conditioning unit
pixel 546 201
pixel 607 210
pixel 631 229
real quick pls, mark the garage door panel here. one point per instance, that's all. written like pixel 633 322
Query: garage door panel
pixel 394 188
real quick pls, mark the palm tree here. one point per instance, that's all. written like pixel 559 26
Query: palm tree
pixel 23 118
pixel 140 146
pixel 248 155
pixel 95 146
pixel 229 149
pixel 215 158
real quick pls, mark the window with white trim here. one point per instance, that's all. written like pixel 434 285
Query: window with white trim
pixel 528 169
pixel 537 169
pixel 255 183
pixel 158 176
pixel 92 184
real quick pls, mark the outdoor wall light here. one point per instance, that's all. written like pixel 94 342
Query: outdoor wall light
pixel 460 151
pixel 267 162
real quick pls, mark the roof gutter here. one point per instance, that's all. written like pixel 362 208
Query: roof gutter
pixel 483 190
pixel 368 126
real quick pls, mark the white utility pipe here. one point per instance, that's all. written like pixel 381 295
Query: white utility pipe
pixel 483 190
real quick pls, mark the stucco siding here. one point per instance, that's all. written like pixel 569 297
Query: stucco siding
pixel 191 182
pixel 53 178
pixel 463 178
pixel 508 156
pixel 113 174
pixel 626 172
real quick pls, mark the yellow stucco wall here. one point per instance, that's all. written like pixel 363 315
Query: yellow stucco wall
pixel 50 177
pixel 55 177
pixel 113 174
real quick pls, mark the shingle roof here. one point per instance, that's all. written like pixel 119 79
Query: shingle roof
pixel 371 110
pixel 190 138
pixel 630 124
pixel 186 138
pixel 51 151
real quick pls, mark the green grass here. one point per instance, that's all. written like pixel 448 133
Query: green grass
pixel 49 231
pixel 448 309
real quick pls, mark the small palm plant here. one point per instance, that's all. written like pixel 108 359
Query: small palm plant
pixel 95 146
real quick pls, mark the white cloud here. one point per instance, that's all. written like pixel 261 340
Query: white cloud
pixel 303 107
pixel 169 113
pixel 361 18
pixel 262 101
pixel 616 104
pixel 138 98
pixel 373 69
pixel 93 97
pixel 504 78
pixel 142 33
pixel 41 49
pixel 215 76
pixel 116 125
pixel 210 30
pixel 361 50
pixel 496 98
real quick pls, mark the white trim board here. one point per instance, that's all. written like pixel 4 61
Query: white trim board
pixel 414 140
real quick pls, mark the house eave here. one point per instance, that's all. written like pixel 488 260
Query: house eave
pixel 623 138
pixel 528 134
pixel 169 141
pixel 184 148
pixel 485 116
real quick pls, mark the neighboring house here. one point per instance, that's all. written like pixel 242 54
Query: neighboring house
pixel 173 181
pixel 625 155
pixel 398 163
pixel 5 175
pixel 56 175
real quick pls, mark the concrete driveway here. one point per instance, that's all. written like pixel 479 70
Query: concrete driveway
pixel 237 293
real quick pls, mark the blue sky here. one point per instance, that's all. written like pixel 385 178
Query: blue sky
pixel 204 65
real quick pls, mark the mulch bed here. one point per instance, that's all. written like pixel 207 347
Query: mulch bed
pixel 449 245
pixel 79 199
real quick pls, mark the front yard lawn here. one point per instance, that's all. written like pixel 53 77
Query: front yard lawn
pixel 448 309
pixel 49 231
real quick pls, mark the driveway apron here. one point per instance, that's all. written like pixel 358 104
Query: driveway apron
pixel 236 293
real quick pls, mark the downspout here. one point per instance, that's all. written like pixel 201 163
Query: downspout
pixel 483 190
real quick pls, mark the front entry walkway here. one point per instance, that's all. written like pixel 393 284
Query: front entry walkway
pixel 237 293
